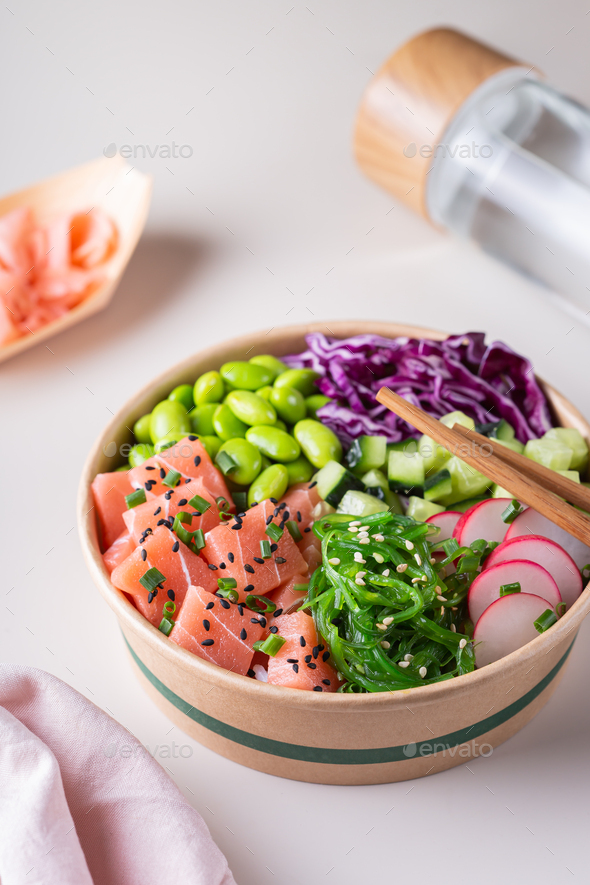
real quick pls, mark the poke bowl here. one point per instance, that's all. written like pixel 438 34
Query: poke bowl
pixel 322 736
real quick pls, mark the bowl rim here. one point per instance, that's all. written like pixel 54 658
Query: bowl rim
pixel 199 669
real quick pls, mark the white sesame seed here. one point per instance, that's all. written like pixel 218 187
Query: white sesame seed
pixel 365 541
pixel 381 626
pixel 388 620
pixel 422 672
pixel 358 557
pixel 418 558
pixel 402 567
pixel 361 574
pixel 362 535
pixel 403 664
pixel 385 644
pixel 432 560
pixel 352 528
pixel 334 561
pixel 385 572
pixel 442 598
pixel 442 611
pixel 409 545
pixel 378 557
pixel 439 590
pixel 359 582
pixel 379 537
pixel 408 658
pixel 453 628
pixel 364 528
pixel 463 643
pixel 415 580
pixel 355 522
pixel 424 578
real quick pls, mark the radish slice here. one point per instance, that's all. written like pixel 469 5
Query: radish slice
pixel 446 521
pixel 507 624
pixel 532 523
pixel 547 553
pixel 482 521
pixel 533 579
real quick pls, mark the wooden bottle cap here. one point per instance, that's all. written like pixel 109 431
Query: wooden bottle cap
pixel 410 102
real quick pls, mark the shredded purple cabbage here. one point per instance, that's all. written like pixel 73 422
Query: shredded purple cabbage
pixel 487 382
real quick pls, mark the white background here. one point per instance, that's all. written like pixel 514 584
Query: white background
pixel 265 94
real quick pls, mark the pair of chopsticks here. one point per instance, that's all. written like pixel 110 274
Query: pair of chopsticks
pixel 528 481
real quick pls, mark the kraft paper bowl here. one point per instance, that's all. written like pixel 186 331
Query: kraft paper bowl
pixel 310 736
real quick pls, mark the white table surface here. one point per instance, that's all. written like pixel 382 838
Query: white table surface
pixel 265 94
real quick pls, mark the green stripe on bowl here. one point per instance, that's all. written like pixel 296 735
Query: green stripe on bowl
pixel 330 756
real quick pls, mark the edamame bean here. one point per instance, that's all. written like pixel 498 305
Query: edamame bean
pixel 251 408
pixel 211 444
pixel 169 418
pixel 209 388
pixel 226 425
pixel 141 429
pixel 183 394
pixel 280 424
pixel 271 483
pixel 319 443
pixel 274 443
pixel 239 375
pixel 271 363
pixel 300 379
pixel 265 392
pixel 289 403
pixel 165 443
pixel 201 419
pixel 315 402
pixel 140 453
pixel 299 470
pixel 247 458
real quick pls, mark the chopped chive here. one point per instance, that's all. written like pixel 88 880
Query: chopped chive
pixel 151 579
pixel 546 620
pixel 198 541
pixel 166 625
pixel 467 564
pixel 240 500
pixel 169 607
pixel 512 511
pixel 274 531
pixel 199 504
pixel 226 583
pixel 450 546
pixel 225 462
pixel 507 589
pixel 265 550
pixel 182 516
pixel 171 479
pixel 560 609
pixel 300 588
pixel 294 530
pixel 228 592
pixel 270 646
pixel 259 603
pixel 135 498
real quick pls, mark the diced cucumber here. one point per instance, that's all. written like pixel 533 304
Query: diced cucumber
pixel 500 430
pixel 572 438
pixel 570 474
pixel 407 445
pixel 513 444
pixel 499 492
pixel 405 471
pixel 462 506
pixel 367 453
pixel 420 510
pixel 467 482
pixel 376 484
pixel 438 486
pixel 434 455
pixel 458 418
pixel 334 480
pixel 550 452
pixel 360 504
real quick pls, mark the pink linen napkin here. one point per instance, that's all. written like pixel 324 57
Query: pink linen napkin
pixel 74 810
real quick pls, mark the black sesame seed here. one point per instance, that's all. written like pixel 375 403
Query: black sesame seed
pixel 231 557
pixel 197 460
pixel 296 668
pixel 312 666
pixel 321 647
pixel 162 473
pixel 278 612
pixel 302 641
pixel 252 674
pixel 286 516
pixel 212 567
pixel 292 660
pixel 192 438
pixel 274 500
pixel 299 516
pixel 283 505
pixel 308 529
pixel 236 527
pixel 248 568
pixel 269 519
pixel 248 588
pixel 169 494
pixel 150 597
pixel 207 642
pixel 171 595
pixel 316 651
pixel 255 504
pixel 243 513
pixel 274 629
pixel 161 522
pixel 274 548
pixel 175 547
pixel 325 656
pixel 188 479
pixel 149 467
pixel 258 559
pixel 276 511
pixel 144 555
pixel 312 485
pixel 262 621
pixel 209 605
pixel 326 682
pixel 241 609
pixel 318 688
pixel 254 621
pixel 148 486
pixel 206 624
pixel 307 659
pixel 280 559
pixel 159 510
pixel 182 502
pixel 224 603
pixel 222 565
pixel 243 634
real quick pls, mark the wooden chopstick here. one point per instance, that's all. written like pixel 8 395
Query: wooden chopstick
pixel 560 485
pixel 522 486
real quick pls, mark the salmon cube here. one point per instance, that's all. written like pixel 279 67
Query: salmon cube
pixel 166 506
pixel 119 550
pixel 216 630
pixel 187 457
pixel 304 661
pixel 180 569
pixel 286 598
pixel 109 490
